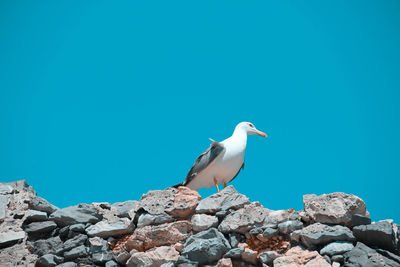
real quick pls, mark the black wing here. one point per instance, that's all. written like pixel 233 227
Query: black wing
pixel 204 160
pixel 241 168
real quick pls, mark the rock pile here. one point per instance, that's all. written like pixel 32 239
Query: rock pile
pixel 175 227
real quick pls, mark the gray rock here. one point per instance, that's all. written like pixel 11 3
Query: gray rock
pixel 79 228
pixel 361 255
pixel 68 264
pixel 256 231
pixel 335 248
pixel 158 201
pixel 122 257
pixel 106 229
pixel 378 234
pixel 111 264
pixel 168 264
pixel 74 242
pixel 40 227
pixel 358 219
pixel 77 252
pixel 235 253
pixel 270 232
pixel 38 203
pixel 320 234
pixel 295 236
pixel 76 214
pixel 235 239
pixel 201 222
pixel 6 189
pixel 226 199
pixel 335 208
pixel 154 219
pixel 35 216
pixel 289 226
pixel 124 209
pixel 3 207
pixel 51 245
pixel 337 258
pixel 97 244
pixel 48 260
pixel 389 255
pixel 10 238
pixel 244 219
pixel 102 257
pixel 206 247
pixel 268 257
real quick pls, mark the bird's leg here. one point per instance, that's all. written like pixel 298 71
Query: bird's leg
pixel 224 185
pixel 216 185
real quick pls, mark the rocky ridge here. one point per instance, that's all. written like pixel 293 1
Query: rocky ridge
pixel 175 227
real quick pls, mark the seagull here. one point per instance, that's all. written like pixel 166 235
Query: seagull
pixel 222 161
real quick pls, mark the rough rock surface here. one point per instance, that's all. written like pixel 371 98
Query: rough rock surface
pixel 335 208
pixel 174 227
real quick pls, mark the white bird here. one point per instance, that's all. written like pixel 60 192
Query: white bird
pixel 221 162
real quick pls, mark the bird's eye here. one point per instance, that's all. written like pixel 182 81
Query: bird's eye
pixel 251 125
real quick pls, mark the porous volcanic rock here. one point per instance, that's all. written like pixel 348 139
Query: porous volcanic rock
pixel 334 208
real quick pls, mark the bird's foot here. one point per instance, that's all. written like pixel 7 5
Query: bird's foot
pixel 216 185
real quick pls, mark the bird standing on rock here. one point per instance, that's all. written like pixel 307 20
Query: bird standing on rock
pixel 221 162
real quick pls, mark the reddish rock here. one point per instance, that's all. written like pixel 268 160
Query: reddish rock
pixel 185 202
pixel 297 256
pixel 334 208
pixel 154 257
pixel 148 237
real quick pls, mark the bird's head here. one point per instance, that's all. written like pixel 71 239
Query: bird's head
pixel 250 129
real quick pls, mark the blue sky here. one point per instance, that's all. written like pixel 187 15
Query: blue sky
pixel 105 100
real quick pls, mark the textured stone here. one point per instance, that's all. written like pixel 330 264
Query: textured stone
pixel 321 234
pixel 48 260
pixel 274 217
pixel 244 219
pixel 335 208
pixel 206 247
pixel 157 201
pixel 378 234
pixel 35 216
pixel 268 257
pixel 235 253
pixel 122 257
pixel 226 262
pixel 250 256
pixel 335 248
pixel 201 222
pixel 154 257
pixel 80 251
pixel 106 229
pixel 3 207
pixel 38 203
pixel 226 199
pixel 269 232
pixel 125 209
pixel 6 189
pixel 68 264
pixel 74 242
pixel 362 255
pixel 10 238
pixel 159 235
pixel 51 245
pixel 76 214
pixel 102 257
pixel 185 202
pixel 358 219
pixel 153 219
pixel 79 228
pixel 40 227
pixel 289 226
pixel 297 256
pixel 111 264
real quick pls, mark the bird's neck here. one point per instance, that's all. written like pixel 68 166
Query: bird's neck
pixel 240 136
